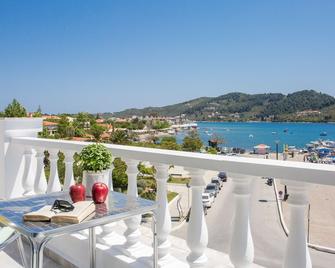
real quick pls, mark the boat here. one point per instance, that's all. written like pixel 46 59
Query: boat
pixel 323 134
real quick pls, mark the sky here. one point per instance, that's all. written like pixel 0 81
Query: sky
pixel 104 56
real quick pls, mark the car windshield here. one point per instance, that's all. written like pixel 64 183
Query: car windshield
pixel 210 187
pixel 205 197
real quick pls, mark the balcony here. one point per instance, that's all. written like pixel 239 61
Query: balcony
pixel 250 231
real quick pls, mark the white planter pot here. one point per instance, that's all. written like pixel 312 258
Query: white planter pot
pixel 91 177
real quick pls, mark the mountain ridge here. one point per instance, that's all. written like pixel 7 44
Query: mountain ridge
pixel 304 105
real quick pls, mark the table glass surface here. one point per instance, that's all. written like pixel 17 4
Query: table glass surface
pixel 117 204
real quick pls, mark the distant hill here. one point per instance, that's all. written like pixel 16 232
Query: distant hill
pixel 306 105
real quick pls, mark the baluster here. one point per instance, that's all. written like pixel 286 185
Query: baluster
pixel 41 185
pixel 54 183
pixel 107 230
pixel 197 233
pixel 163 216
pixel 28 175
pixel 297 254
pixel 241 245
pixel 133 232
pixel 69 178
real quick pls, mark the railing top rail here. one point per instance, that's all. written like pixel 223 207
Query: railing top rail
pixel 290 170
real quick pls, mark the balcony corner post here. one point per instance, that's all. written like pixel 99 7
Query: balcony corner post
pixel 197 233
pixel 241 247
pixel 297 253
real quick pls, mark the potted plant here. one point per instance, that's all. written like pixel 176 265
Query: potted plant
pixel 95 160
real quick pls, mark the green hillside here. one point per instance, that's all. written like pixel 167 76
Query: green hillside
pixel 306 105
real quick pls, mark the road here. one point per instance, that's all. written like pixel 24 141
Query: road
pixel 269 239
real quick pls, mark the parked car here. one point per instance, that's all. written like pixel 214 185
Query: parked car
pixel 217 181
pixel 212 189
pixel 223 176
pixel 207 200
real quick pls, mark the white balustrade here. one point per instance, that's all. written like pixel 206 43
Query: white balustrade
pixel 133 232
pixel 54 183
pixel 241 245
pixel 40 186
pixel 197 233
pixel 29 171
pixel 69 177
pixel 163 216
pixel 297 254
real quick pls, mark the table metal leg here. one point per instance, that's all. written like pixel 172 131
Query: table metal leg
pixel 155 249
pixel 92 245
pixel 37 253
pixel 21 251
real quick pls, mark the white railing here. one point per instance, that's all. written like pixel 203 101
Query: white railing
pixel 296 175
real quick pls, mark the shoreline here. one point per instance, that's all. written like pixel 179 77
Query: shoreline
pixel 279 122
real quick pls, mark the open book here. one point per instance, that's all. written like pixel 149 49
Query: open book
pixel 81 211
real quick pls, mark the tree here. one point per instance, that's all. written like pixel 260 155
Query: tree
pixel 192 142
pixel 84 120
pixel 15 109
pixel 120 177
pixel 97 131
pixel 119 137
pixel 169 143
pixel 65 128
pixel 212 150
pixel 38 112
pixel 158 124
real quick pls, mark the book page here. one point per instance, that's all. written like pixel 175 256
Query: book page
pixel 82 209
pixel 43 214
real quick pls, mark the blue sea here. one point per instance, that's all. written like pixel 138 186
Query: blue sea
pixel 248 134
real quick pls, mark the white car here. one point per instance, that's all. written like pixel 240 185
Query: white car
pixel 207 200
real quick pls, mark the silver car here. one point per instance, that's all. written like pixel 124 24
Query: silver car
pixel 212 189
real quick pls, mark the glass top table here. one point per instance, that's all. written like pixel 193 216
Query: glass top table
pixel 117 207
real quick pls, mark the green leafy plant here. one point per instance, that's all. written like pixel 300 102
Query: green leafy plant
pixel 95 157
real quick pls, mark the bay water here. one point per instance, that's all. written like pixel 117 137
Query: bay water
pixel 248 134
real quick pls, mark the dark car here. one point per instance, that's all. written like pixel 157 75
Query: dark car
pixel 223 176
